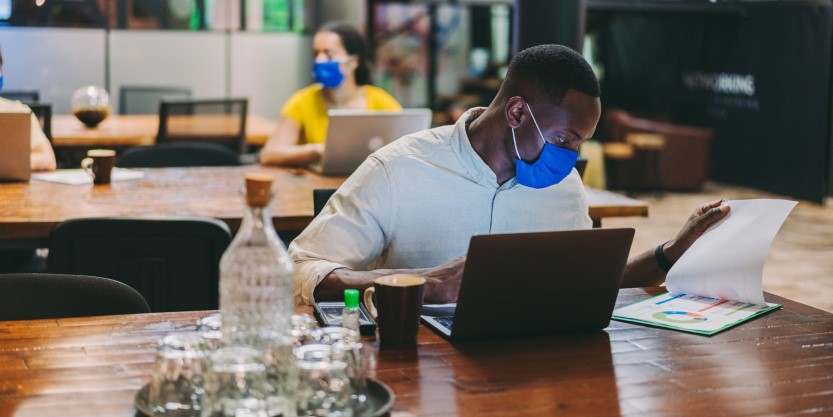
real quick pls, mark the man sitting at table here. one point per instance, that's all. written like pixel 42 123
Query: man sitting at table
pixel 412 206
pixel 42 157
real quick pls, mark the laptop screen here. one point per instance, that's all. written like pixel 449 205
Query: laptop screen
pixel 352 135
pixel 524 284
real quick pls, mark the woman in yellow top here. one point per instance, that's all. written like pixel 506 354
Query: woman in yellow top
pixel 343 82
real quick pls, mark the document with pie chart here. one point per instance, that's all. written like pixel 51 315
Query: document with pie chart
pixel 718 282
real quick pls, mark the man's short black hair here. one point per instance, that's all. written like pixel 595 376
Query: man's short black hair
pixel 550 70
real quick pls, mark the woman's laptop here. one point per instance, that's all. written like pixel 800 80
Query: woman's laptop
pixel 535 284
pixel 15 141
pixel 352 135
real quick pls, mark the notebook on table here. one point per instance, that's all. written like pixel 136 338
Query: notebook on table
pixel 352 135
pixel 535 284
pixel 15 141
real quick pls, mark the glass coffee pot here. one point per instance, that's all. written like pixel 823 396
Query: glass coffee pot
pixel 91 105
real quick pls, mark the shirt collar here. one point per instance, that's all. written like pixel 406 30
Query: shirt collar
pixel 471 161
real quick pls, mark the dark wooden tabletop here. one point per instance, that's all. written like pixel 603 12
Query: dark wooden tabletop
pixel 30 210
pixel 778 364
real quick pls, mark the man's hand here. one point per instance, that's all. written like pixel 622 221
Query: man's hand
pixel 704 217
pixel 443 282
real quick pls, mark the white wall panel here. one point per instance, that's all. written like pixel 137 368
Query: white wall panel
pixel 53 61
pixel 196 60
pixel 268 68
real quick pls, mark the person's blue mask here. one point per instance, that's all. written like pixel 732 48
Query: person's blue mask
pixel 328 73
pixel 554 164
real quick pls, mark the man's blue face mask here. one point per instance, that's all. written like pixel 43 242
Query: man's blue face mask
pixel 328 73
pixel 552 166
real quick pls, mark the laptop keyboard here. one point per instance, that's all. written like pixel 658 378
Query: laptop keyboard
pixel 446 321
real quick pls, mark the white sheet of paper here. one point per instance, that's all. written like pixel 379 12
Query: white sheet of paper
pixel 727 262
pixel 79 176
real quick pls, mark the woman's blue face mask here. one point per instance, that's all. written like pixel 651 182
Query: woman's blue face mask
pixel 328 73
pixel 554 164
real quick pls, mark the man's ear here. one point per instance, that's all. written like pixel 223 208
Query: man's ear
pixel 515 112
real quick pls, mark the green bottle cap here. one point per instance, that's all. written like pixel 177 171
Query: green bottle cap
pixel 351 298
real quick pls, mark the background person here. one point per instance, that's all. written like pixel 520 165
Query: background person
pixel 342 79
pixel 43 158
pixel 413 206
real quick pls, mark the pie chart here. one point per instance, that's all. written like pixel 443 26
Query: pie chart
pixel 679 317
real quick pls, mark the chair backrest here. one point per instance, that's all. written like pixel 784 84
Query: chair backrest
pixel 178 154
pixel 42 296
pixel 43 111
pixel 172 262
pixel 26 96
pixel 145 99
pixel 214 120
pixel 320 197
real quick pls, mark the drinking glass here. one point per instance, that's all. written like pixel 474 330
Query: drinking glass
pixel 304 329
pixel 281 374
pixel 323 386
pixel 352 353
pixel 346 347
pixel 236 384
pixel 176 388
pixel 91 105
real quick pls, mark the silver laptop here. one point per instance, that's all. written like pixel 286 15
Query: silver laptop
pixel 15 141
pixel 352 135
pixel 535 284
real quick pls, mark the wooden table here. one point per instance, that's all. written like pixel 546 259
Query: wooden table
pixel 29 211
pixel 120 131
pixel 604 203
pixel 779 364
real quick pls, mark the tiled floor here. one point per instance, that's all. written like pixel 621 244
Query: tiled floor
pixel 800 262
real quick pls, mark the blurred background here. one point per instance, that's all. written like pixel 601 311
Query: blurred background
pixel 754 74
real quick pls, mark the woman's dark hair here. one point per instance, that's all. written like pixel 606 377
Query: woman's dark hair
pixel 354 43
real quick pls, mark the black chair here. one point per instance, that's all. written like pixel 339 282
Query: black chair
pixel 215 120
pixel 144 99
pixel 178 154
pixel 172 262
pixel 43 111
pixel 320 197
pixel 42 296
pixel 26 96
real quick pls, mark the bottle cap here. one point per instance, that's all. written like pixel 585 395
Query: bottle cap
pixel 258 189
pixel 351 298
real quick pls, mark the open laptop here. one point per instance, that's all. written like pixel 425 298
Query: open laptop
pixel 352 135
pixel 15 141
pixel 535 284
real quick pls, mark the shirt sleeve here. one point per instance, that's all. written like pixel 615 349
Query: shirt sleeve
pixel 37 135
pixel 350 232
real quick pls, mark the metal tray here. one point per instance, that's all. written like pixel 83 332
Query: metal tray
pixel 379 400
